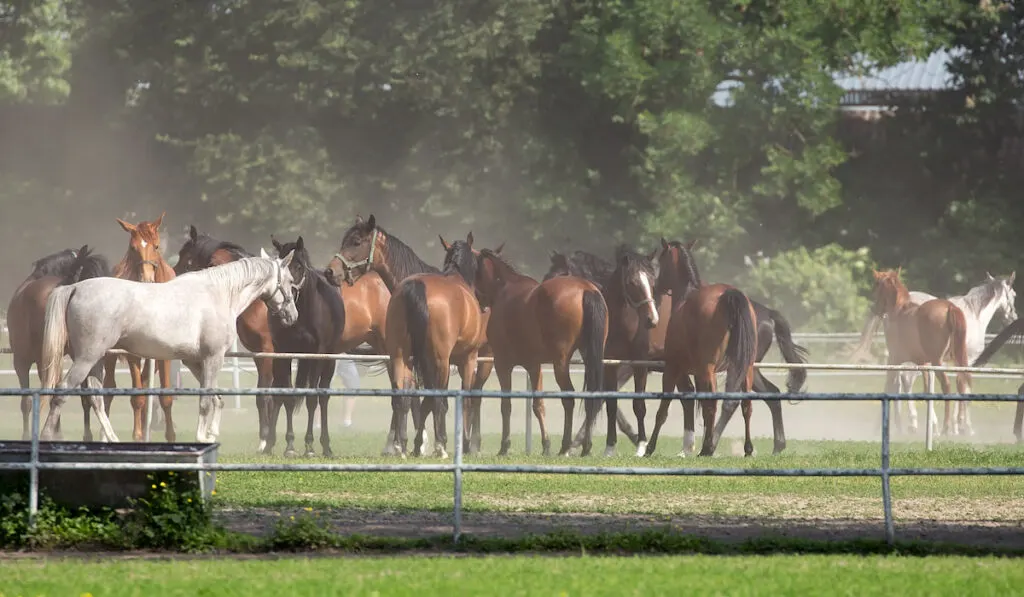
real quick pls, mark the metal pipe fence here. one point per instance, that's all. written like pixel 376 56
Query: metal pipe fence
pixel 458 466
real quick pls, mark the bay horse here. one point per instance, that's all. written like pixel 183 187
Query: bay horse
pixel 201 251
pixel 533 323
pixel 319 329
pixel 366 247
pixel 191 318
pixel 1013 330
pixel 923 334
pixel 979 305
pixel 25 319
pixel 435 321
pixel 712 327
pixel 771 325
pixel 143 262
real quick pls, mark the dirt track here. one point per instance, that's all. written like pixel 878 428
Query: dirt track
pixel 981 533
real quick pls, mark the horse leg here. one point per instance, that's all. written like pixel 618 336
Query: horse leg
pixel 539 410
pixel 906 386
pixel 282 378
pixel 468 376
pixel 704 381
pixel 947 416
pixel 22 369
pixel 138 402
pixel 689 417
pixel 504 372
pixel 326 375
pixel 667 387
pixel 640 409
pixel 564 381
pixel 264 379
pixel 304 378
pixel 440 407
pixel 763 385
pixel 166 402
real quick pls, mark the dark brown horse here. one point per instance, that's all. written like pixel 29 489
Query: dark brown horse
pixel 923 334
pixel 366 247
pixel 435 321
pixel 26 312
pixel 1013 330
pixel 533 323
pixel 771 325
pixel 143 262
pixel 201 251
pixel 710 326
pixel 319 329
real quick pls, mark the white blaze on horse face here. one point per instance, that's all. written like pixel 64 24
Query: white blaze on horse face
pixel 652 309
pixel 143 243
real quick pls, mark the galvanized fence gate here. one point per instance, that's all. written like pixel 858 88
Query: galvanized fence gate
pixel 458 467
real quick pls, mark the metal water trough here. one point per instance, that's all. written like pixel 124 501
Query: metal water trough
pixel 110 488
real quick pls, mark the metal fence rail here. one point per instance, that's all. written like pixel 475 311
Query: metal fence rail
pixel 458 467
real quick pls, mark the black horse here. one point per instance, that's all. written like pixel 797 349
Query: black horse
pixel 771 325
pixel 319 330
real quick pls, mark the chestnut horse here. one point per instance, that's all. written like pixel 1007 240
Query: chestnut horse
pixel 365 248
pixel 25 318
pixel 435 321
pixel 533 323
pixel 201 251
pixel 318 330
pixel 923 334
pixel 710 326
pixel 143 262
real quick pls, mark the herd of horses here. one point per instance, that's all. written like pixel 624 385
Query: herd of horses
pixel 376 290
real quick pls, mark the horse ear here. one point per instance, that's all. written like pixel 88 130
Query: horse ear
pixel 372 222
pixel 277 245
pixel 899 270
pixel 84 251
pixel 288 258
pixel 359 219
pixel 653 255
pixel 1013 276
pixel 129 228
pixel 192 232
pixel 500 247
pixel 444 243
pixel 157 223
pixel 263 253
pixel 300 244
pixel 989 277
pixel 469 238
pixel 690 245
pixel 664 243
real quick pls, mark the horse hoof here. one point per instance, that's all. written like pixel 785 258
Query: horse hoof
pixel 441 453
pixel 641 449
pixel 262 446
pixel 328 453
pixel 291 454
pixel 309 454
pixel 682 454
pixel 609 451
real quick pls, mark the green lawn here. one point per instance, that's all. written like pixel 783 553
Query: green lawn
pixel 650 575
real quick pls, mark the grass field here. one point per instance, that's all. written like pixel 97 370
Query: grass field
pixel 775 575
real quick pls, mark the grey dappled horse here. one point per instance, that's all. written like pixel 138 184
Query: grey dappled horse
pixel 190 318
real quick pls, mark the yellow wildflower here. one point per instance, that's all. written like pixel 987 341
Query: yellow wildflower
pixel 308 509
pixel 213 492
pixel 162 484
pixel 153 486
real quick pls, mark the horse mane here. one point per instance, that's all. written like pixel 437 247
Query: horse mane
pixel 402 260
pixel 688 262
pixel 86 266
pixel 205 246
pixel 503 261
pixel 460 260
pixel 57 264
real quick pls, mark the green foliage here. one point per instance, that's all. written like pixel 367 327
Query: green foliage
pixel 173 515
pixel 820 290
pixel 35 50
pixel 304 532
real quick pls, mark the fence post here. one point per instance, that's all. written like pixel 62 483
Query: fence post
pixel 459 431
pixel 33 472
pixel 890 530
pixel 929 387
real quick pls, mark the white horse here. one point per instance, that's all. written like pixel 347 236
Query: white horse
pixel 190 318
pixel 979 305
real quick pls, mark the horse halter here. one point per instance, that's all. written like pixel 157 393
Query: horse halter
pixel 635 304
pixel 279 288
pixel 350 266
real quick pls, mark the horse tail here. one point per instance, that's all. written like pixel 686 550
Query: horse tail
pixel 791 352
pixel 741 349
pixel 1014 330
pixel 55 335
pixel 958 324
pixel 417 318
pixel 592 339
